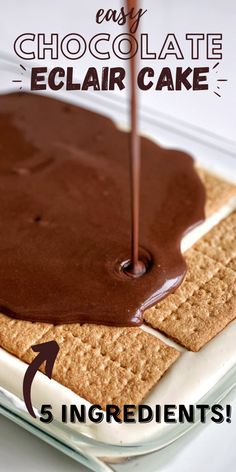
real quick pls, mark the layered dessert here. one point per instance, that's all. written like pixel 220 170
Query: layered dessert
pixel 166 337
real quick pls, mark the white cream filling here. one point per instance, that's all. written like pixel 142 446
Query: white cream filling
pixel 187 381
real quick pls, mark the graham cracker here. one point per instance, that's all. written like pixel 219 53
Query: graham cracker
pixel 218 191
pixel 104 365
pixel 220 243
pixel 206 302
pixel 18 336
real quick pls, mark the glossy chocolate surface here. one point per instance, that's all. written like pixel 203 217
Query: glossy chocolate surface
pixel 65 215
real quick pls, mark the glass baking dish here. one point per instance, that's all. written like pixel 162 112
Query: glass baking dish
pixel 212 152
pixel 102 457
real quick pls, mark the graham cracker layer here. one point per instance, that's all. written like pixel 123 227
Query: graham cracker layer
pixel 206 301
pixel 218 191
pixel 102 364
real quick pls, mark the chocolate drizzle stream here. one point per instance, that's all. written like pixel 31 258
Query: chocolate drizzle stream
pixel 136 267
pixel 65 215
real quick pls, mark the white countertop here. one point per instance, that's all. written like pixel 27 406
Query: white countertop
pixel 210 447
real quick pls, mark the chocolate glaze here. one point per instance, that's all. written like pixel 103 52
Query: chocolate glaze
pixel 65 215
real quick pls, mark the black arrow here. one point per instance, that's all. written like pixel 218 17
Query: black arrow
pixel 47 353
